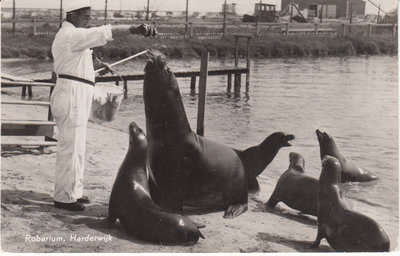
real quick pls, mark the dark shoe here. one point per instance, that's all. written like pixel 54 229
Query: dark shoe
pixel 70 206
pixel 84 200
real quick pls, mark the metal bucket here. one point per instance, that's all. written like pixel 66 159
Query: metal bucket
pixel 106 101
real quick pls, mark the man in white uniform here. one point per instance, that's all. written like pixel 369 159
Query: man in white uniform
pixel 71 99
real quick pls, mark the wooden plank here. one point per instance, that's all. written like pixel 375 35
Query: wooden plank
pixel 178 74
pixel 27 122
pixel 18 84
pixel 18 102
pixel 29 143
pixel 15 78
pixel 27 128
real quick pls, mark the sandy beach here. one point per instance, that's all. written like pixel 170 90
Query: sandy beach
pixel 30 223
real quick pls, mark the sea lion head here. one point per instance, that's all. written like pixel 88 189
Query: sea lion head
pixel 331 171
pixel 297 161
pixel 280 139
pixel 158 74
pixel 325 141
pixel 137 137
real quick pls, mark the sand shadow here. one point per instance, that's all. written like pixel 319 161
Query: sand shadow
pixel 296 216
pixel 7 151
pixel 40 202
pixel 298 245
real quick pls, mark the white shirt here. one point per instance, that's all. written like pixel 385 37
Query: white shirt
pixel 71 52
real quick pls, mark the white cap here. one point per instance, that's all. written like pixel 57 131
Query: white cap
pixel 73 5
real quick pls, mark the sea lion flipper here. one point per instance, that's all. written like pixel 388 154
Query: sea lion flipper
pixel 235 210
pixel 111 218
pixel 318 239
pixel 272 202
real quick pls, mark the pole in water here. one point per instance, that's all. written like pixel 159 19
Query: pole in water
pixel 202 92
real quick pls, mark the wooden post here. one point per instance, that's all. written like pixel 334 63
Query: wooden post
pixel 236 51
pixel 343 29
pixel 117 83
pixel 202 92
pixel 257 29
pixel 229 88
pixel 316 28
pixel 394 30
pixel 193 85
pixel 187 16
pixel 61 12
pixel 369 29
pixel 224 23
pixel 291 12
pixel 191 29
pixel 248 65
pixel 287 28
pixel 379 14
pixel 13 17
pixel 34 27
pixel 238 81
pixel 105 11
pixel 125 89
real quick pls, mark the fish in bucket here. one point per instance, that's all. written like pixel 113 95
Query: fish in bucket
pixel 106 101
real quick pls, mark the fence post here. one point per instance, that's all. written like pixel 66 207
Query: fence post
pixel 257 29
pixel 369 29
pixel 202 92
pixel 394 30
pixel 287 29
pixel 191 29
pixel 224 29
pixel 34 27
pixel 316 28
pixel 343 29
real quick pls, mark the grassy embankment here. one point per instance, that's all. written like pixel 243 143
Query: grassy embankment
pixel 274 46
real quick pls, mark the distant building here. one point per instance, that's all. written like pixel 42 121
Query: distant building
pixel 230 8
pixel 329 8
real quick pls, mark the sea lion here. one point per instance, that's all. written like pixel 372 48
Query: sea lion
pixel 188 169
pixel 295 189
pixel 350 171
pixel 255 159
pixel 344 229
pixel 131 203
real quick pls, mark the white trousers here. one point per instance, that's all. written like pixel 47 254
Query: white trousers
pixel 70 103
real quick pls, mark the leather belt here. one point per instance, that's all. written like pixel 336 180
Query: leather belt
pixel 76 79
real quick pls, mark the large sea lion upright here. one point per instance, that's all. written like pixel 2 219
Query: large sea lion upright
pixel 188 169
pixel 295 188
pixel 344 229
pixel 130 201
pixel 350 171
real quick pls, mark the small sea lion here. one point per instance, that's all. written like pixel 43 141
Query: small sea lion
pixel 130 201
pixel 344 229
pixel 350 171
pixel 295 189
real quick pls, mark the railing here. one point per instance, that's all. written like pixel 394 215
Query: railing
pixel 28 127
pixel 212 30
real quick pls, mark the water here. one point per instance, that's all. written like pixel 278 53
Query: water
pixel 355 100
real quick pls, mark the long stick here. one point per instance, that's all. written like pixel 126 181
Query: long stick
pixel 123 60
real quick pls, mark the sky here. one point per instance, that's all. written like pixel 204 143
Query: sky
pixel 243 6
